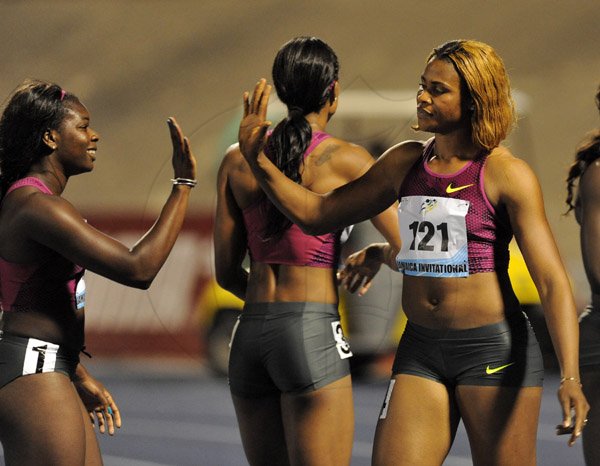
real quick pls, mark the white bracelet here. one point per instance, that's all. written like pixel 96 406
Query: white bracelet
pixel 185 181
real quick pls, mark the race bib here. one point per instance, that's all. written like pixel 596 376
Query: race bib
pixel 80 294
pixel 434 236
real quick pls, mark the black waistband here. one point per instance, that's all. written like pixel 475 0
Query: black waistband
pixel 62 351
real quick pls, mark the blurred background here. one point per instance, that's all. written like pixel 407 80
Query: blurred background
pixel 134 63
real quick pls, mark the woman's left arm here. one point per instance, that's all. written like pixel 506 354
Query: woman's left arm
pixel 361 267
pixel 229 235
pixel 517 188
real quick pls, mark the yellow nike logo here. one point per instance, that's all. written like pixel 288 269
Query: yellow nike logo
pixel 490 371
pixel 450 189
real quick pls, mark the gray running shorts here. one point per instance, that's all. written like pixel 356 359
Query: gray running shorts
pixel 589 339
pixel 286 347
pixel 21 356
pixel 502 354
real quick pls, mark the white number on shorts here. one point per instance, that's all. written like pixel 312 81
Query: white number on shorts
pixel 341 344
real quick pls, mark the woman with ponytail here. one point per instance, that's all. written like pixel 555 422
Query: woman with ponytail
pixel 289 372
pixel 583 196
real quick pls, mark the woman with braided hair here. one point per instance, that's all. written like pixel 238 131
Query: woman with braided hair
pixel 46 395
pixel 289 373
pixel 583 196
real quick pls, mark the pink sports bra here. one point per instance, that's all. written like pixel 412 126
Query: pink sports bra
pixel 53 283
pixel 293 247
pixel 487 235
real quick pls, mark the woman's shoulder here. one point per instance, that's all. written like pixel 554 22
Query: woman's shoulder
pixel 501 159
pixel 37 214
pixel 234 161
pixel 408 148
pixel 589 183
pixel 509 176
pixel 237 174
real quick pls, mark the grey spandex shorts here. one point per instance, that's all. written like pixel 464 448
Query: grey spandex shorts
pixel 21 356
pixel 286 348
pixel 589 339
pixel 502 354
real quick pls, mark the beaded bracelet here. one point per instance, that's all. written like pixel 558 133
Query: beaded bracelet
pixel 185 181
pixel 570 379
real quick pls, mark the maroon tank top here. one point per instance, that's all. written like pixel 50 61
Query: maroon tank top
pixel 487 236
pixel 53 283
pixel 293 247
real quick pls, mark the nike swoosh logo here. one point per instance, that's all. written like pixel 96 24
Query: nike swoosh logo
pixel 490 371
pixel 450 189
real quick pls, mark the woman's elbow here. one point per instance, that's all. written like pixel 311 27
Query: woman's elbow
pixel 142 277
pixel 313 227
pixel 141 282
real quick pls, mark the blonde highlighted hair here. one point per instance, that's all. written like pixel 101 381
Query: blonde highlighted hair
pixel 484 76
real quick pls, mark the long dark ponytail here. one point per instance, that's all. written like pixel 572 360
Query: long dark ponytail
pixel 587 152
pixel 304 74
pixel 33 108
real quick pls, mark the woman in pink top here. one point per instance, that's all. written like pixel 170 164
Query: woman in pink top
pixel 289 372
pixel 46 396
pixel 468 352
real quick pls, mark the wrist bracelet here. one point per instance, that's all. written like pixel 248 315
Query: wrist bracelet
pixel 570 379
pixel 185 181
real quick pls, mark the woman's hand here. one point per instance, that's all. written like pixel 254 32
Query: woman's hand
pixel 184 162
pixel 253 127
pixel 360 268
pixel 571 398
pixel 98 401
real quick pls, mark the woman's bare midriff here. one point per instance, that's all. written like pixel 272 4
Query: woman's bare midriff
pixel 458 303
pixel 45 326
pixel 291 283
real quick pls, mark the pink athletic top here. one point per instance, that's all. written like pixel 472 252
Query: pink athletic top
pixel 46 285
pixel 293 247
pixel 487 235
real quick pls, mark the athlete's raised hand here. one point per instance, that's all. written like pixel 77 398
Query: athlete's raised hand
pixel 184 162
pixel 253 127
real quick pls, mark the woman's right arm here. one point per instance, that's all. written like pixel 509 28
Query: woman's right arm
pixel 56 224
pixel 229 233
pixel 352 203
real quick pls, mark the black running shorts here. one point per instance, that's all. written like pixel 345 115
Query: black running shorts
pixel 287 348
pixel 20 356
pixel 502 354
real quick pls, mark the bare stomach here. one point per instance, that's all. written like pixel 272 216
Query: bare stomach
pixel 289 283
pixel 66 331
pixel 458 303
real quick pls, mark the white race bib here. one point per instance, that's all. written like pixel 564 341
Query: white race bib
pixel 434 236
pixel 80 294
